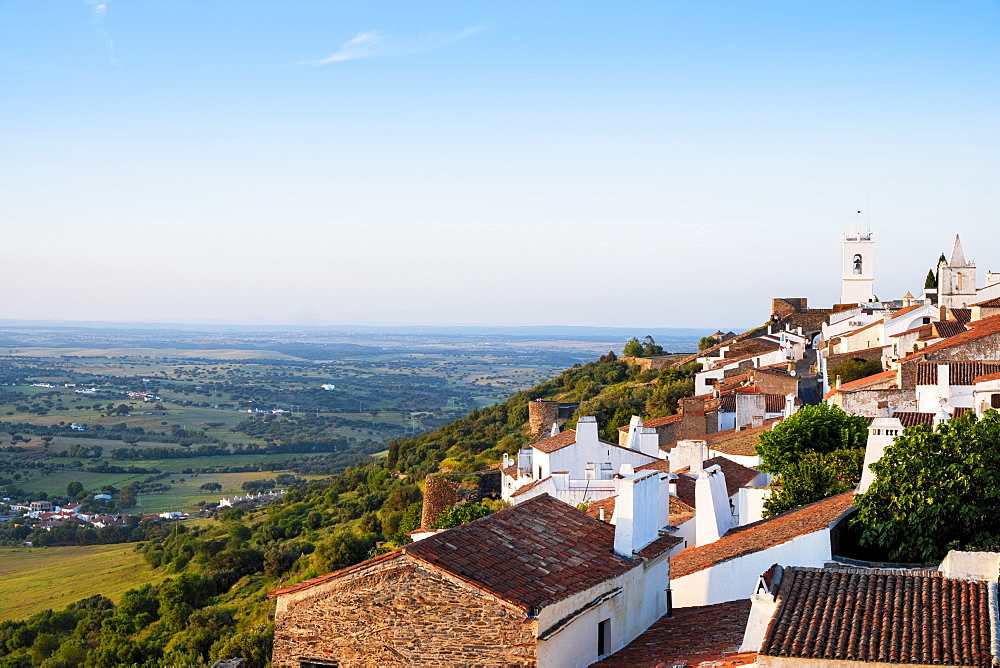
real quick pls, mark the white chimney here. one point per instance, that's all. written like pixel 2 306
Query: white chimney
pixel 636 512
pixel 586 430
pixel 647 441
pixel 944 383
pixel 762 608
pixel 560 479
pixel 688 453
pixel 747 406
pixel 789 405
pixel 555 429
pixel 714 515
pixel 633 424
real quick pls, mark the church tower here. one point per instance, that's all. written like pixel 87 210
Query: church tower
pixel 858 269
pixel 956 279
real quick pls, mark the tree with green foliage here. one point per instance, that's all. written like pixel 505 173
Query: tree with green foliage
pixel 936 490
pixel 930 283
pixel 460 514
pixel 73 489
pixel 633 348
pixel 813 454
pixel 855 369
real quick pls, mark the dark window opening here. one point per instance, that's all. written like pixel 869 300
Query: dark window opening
pixel 995 401
pixel 603 637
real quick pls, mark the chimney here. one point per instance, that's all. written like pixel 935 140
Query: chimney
pixel 757 421
pixel 763 605
pixel 560 479
pixel 633 424
pixel 944 384
pixel 586 430
pixel 555 429
pixel 647 441
pixel 789 405
pixel 714 515
pixel 636 511
pixel 838 381
pixel 689 453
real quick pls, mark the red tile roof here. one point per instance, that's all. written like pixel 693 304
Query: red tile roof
pixel 861 329
pixel 959 373
pixel 532 554
pixel 657 422
pixel 680 512
pixel 558 442
pixel 525 488
pixel 773 403
pixel 905 310
pixel 989 303
pixel 691 636
pixel 979 329
pixel 962 315
pixel 862 383
pixel 886 616
pixel 739 443
pixel 946 328
pixel 912 419
pixel 987 377
pixel 762 534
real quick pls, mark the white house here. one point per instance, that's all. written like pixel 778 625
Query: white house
pixel 727 569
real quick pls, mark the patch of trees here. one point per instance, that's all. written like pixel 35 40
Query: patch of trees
pixel 936 490
pixel 816 453
pixel 854 369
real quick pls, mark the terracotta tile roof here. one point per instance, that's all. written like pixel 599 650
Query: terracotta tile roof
pixel 510 471
pixel 861 329
pixel 980 329
pixel 862 383
pixel 985 378
pixel 962 315
pixel 912 419
pixel 989 303
pixel 525 488
pixel 905 310
pixel 680 512
pixel 915 330
pixel 690 637
pixel 739 443
pixel 762 534
pixel 773 403
pixel 959 411
pixel 662 465
pixel 657 422
pixel 737 476
pixel 885 616
pixel 532 554
pixel 959 373
pixel 946 328
pixel 557 442
pixel 608 505
pixel 312 582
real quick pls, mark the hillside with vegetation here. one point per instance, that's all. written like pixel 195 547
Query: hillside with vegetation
pixel 206 599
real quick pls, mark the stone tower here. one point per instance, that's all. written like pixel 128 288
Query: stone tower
pixel 858 268
pixel 956 279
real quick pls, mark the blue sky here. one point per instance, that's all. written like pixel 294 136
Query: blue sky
pixel 638 164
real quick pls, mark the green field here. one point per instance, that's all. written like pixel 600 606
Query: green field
pixel 35 579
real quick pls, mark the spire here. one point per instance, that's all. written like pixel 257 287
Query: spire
pixel 857 232
pixel 957 256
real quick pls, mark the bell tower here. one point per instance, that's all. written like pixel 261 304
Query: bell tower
pixel 956 279
pixel 858 266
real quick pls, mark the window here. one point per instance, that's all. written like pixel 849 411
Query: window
pixel 960 282
pixel 539 472
pixel 995 401
pixel 603 637
pixel 857 264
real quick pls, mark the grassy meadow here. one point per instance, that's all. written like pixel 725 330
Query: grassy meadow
pixel 32 580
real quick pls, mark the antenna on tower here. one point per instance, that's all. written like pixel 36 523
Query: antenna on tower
pixel 868 204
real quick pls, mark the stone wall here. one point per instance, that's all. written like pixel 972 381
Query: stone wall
pixel 400 613
pixel 653 363
pixel 986 348
pixel 541 416
pixel 440 493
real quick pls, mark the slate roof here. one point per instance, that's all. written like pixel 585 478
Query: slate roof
pixel 737 476
pixel 887 616
pixel 691 636
pixel 959 373
pixel 532 554
pixel 558 442
pixel 762 534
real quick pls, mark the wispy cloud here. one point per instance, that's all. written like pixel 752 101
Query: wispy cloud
pixel 375 44
pixel 99 7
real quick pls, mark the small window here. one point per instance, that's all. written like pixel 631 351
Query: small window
pixel 995 401
pixel 539 472
pixel 603 637
pixel 926 320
